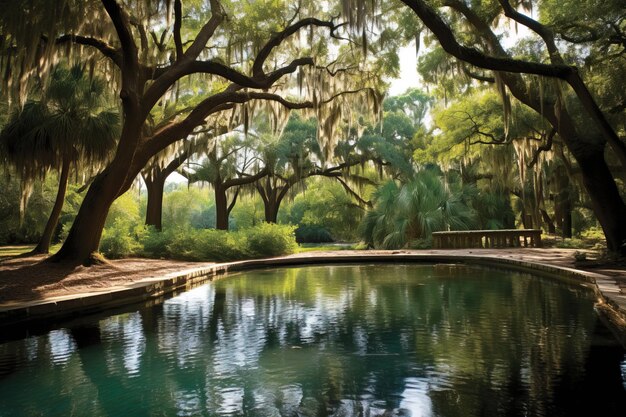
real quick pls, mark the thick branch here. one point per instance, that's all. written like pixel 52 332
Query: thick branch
pixel 166 77
pixel 570 74
pixel 122 27
pixel 541 30
pixel 354 194
pixel 233 182
pixel 473 56
pixel 207 31
pixel 216 103
pixel 591 36
pixel 226 72
pixel 178 17
pixel 231 206
pixel 476 76
pixel 106 49
pixel 277 39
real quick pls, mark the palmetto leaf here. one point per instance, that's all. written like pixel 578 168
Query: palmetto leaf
pixel 414 210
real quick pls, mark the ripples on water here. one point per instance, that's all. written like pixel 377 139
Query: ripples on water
pixel 378 340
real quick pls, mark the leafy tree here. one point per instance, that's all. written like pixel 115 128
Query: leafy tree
pixel 323 211
pixel 229 166
pixel 70 127
pixel 480 46
pixel 153 49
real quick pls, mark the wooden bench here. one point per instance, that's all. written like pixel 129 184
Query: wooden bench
pixel 507 238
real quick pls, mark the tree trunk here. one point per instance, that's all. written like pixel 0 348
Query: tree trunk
pixel 154 210
pixel 44 242
pixel 567 217
pixel 272 198
pixel 83 240
pixel 548 221
pixel 607 204
pixel 221 209
pixel 271 210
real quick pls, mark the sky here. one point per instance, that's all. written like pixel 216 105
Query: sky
pixel 408 71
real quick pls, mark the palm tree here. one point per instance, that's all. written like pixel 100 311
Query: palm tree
pixel 414 210
pixel 70 127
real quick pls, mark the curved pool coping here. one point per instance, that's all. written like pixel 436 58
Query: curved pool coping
pixel 611 302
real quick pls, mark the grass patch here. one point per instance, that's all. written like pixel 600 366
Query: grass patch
pixel 319 247
pixel 17 250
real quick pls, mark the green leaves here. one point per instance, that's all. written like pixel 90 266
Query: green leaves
pixel 403 213
pixel 70 121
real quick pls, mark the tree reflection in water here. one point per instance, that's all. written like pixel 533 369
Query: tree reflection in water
pixel 417 340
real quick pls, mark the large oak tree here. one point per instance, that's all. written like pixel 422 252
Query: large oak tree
pixel 150 48
pixel 482 48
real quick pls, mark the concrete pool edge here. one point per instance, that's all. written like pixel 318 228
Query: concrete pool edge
pixel 611 301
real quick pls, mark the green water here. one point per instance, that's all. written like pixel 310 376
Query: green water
pixel 392 340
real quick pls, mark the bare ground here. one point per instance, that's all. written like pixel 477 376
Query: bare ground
pixel 28 278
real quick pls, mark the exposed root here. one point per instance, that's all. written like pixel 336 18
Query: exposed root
pixel 96 258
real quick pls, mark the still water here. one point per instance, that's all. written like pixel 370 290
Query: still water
pixel 374 340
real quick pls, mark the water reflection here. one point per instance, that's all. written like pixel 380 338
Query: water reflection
pixel 331 341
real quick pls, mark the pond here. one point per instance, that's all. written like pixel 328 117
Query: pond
pixel 348 340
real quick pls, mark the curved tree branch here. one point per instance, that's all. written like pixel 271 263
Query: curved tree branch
pixel 543 148
pixel 277 39
pixel 122 27
pixel 106 49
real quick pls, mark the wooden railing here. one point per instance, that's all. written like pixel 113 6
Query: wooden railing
pixel 508 238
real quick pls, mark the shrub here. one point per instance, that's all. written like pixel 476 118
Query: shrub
pixel 210 244
pixel 219 245
pixel 155 243
pixel 118 241
pixel 313 234
pixel 184 244
pixel 268 239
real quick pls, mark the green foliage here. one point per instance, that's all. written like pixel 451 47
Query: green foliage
pixel 247 213
pixel 493 210
pixel 71 124
pixel 123 228
pixel 190 244
pixel 269 239
pixel 218 245
pixel 125 210
pixel 582 219
pixel 154 242
pixel 118 241
pixel 324 204
pixel 205 245
pixel 185 205
pixel 313 234
pixel 29 229
pixel 404 213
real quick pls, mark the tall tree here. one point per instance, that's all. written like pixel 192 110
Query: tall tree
pixel 486 51
pixel 151 48
pixel 69 128
pixel 230 164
